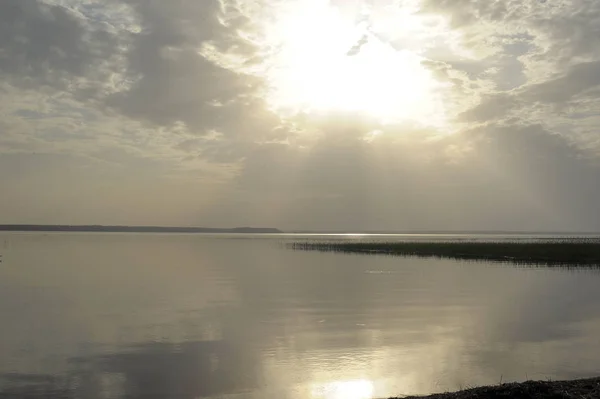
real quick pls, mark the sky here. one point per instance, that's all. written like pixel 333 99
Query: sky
pixel 301 114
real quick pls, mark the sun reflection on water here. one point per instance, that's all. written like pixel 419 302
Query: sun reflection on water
pixel 352 389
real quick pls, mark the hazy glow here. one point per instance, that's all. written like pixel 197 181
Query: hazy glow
pixel 327 62
pixel 354 389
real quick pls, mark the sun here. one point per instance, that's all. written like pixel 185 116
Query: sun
pixel 321 60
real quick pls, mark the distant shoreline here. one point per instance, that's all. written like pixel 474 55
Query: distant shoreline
pixel 272 230
pixel 573 389
pixel 134 229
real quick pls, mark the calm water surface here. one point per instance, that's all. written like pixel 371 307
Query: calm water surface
pixel 193 316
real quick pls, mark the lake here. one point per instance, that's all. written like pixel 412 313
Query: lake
pixel 241 316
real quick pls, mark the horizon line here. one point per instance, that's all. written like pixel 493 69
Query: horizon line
pixel 273 230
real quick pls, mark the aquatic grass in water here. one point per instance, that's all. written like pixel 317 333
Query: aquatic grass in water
pixel 553 253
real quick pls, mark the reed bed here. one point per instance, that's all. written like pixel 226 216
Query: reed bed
pixel 556 252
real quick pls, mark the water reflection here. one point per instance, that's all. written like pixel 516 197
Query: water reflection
pixel 34 386
pixel 152 370
pixel 187 317
pixel 165 370
pixel 158 370
pixel 357 389
pixel 184 370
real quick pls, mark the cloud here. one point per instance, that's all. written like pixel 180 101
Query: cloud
pixel 577 80
pixel 47 45
pixel 174 81
pixel 514 175
pixel 181 90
